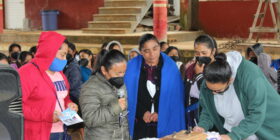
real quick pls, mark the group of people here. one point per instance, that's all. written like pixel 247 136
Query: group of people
pixel 16 57
pixel 153 94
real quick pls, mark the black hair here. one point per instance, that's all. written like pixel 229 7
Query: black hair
pixel 109 58
pixel 112 45
pixel 3 56
pixel 248 51
pixel 14 45
pixel 169 49
pixel 208 40
pixel 66 42
pixel 162 43
pixel 100 56
pixel 23 55
pixel 145 38
pixel 104 45
pixel 218 71
pixel 87 51
pixel 33 49
pixel 71 46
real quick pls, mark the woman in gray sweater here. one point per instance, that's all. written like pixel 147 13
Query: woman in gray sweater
pixel 103 99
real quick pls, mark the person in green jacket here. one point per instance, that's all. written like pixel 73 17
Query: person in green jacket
pixel 103 99
pixel 237 98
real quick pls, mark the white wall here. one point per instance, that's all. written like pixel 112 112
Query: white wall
pixel 177 7
pixel 14 14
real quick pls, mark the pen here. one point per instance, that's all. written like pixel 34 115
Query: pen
pixel 195 122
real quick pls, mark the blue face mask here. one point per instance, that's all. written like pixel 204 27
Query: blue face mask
pixel 57 65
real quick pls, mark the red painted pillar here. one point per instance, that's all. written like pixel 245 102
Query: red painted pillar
pixel 160 19
pixel 1 17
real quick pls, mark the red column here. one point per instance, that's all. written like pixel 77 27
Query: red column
pixel 160 19
pixel 1 17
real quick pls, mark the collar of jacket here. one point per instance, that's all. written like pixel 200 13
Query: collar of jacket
pixel 103 79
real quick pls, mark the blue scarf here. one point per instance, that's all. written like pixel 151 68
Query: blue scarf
pixel 276 64
pixel 171 114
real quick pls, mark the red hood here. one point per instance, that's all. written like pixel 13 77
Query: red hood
pixel 48 45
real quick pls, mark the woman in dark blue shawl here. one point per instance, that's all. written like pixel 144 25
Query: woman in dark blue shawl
pixel 171 115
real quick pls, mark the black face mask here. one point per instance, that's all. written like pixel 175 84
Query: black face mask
pixel 203 60
pixel 254 60
pixel 175 58
pixel 117 82
pixel 68 57
pixel 83 62
pixel 15 55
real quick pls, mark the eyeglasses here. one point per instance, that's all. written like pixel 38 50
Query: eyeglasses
pixel 219 91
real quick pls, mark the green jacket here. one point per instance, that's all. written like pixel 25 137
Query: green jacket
pixel 260 104
pixel 101 110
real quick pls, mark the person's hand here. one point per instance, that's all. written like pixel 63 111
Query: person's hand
pixel 122 103
pixel 198 129
pixel 73 106
pixel 154 117
pixel 198 68
pixel 147 117
pixel 225 137
pixel 55 116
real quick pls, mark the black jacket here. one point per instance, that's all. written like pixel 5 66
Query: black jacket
pixel 73 73
pixel 144 103
pixel 189 81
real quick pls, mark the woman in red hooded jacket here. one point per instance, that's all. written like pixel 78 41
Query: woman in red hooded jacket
pixel 43 85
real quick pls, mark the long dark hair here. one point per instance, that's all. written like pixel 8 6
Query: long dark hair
pixel 100 56
pixel 72 46
pixel 218 71
pixel 87 51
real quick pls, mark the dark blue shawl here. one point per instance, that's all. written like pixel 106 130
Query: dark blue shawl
pixel 171 114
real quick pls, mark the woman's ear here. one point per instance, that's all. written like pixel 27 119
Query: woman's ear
pixel 103 70
pixel 90 57
pixel 231 80
pixel 214 51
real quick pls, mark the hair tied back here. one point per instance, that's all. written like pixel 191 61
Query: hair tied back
pixel 221 58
